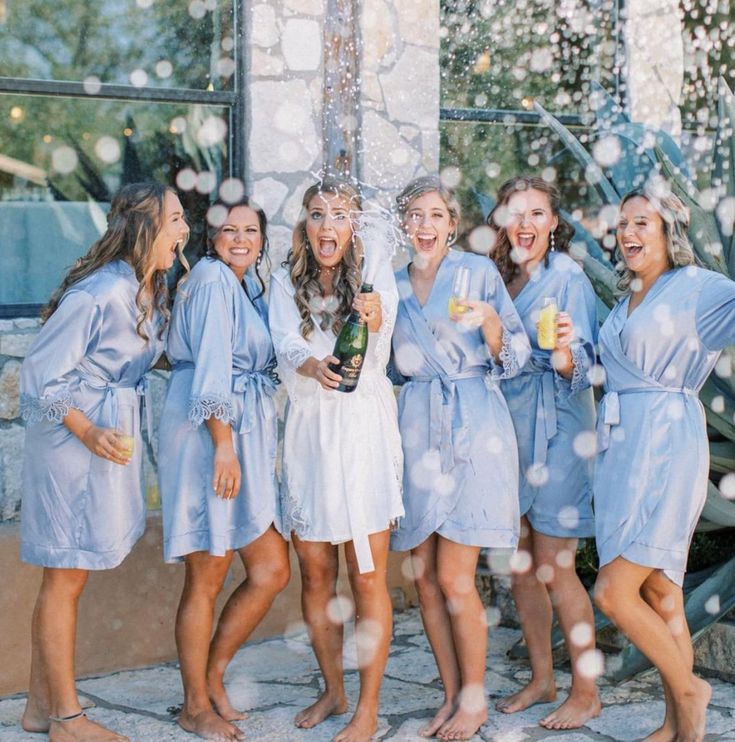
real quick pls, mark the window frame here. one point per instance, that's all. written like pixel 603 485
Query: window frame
pixel 233 99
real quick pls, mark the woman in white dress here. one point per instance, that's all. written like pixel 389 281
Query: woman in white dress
pixel 342 459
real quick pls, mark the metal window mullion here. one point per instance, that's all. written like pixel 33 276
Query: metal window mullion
pixel 238 110
pixel 501 116
pixel 116 92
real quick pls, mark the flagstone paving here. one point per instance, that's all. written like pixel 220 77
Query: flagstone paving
pixel 275 678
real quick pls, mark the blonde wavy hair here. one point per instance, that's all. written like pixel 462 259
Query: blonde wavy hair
pixel 675 217
pixel 134 221
pixel 430 184
pixel 304 268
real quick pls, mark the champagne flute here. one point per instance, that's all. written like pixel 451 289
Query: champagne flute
pixel 460 290
pixel 125 429
pixel 547 324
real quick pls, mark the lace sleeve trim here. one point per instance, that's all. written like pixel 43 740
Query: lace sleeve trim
pixel 295 355
pixel 508 365
pixel 385 333
pixel 211 405
pixel 54 409
pixel 580 362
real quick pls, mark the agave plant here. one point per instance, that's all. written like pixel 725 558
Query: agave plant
pixel 644 152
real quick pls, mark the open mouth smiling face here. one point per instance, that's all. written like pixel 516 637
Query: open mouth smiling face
pixel 641 237
pixel 428 225
pixel 329 227
pixel 530 224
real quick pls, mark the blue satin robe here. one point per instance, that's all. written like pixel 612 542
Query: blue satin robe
pixel 461 460
pixel 81 511
pixel 551 413
pixel 650 480
pixel 223 365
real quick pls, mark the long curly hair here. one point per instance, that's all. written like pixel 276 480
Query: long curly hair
pixel 675 217
pixel 304 268
pixel 563 233
pixel 134 221
pixel 208 250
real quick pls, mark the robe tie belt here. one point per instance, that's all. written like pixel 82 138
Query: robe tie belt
pixel 609 413
pixel 442 405
pixel 111 400
pixel 546 422
pixel 257 387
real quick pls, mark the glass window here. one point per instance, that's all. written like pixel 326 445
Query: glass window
pixel 64 158
pixel 148 43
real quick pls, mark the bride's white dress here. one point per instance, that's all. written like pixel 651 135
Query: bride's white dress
pixel 342 458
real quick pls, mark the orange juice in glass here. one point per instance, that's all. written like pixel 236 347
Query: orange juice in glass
pixel 547 324
pixel 460 291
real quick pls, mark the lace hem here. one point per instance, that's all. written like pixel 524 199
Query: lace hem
pixel 54 409
pixel 385 334
pixel 293 518
pixel 219 407
pixel 508 363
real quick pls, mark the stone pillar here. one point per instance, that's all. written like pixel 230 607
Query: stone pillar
pixel 654 63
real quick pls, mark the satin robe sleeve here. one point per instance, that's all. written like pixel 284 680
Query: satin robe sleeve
pixel 58 350
pixel 209 318
pixel 581 305
pixel 284 319
pixel 715 315
pixel 515 349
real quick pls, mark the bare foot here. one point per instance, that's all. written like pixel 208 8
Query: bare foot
pixel 463 724
pixel 441 717
pixel 691 712
pixel 208 724
pixel 82 729
pixel 528 696
pixel 221 702
pixel 35 717
pixel 328 704
pixel 665 733
pixel 361 728
pixel 575 712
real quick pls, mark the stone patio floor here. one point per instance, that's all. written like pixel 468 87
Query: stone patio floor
pixel 273 679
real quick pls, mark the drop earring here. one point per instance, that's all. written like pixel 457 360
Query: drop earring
pixel 551 239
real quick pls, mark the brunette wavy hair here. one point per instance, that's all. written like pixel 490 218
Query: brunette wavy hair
pixel 562 234
pixel 133 223
pixel 675 217
pixel 208 250
pixel 304 268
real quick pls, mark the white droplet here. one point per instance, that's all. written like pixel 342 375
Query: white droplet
pixel 585 444
pixel 217 215
pixel 591 664
pixel 186 179
pixel 581 634
pixel 596 374
pixel 107 149
pixel 568 517
pixel 545 574
pixel 712 605
pixel 197 9
pixel 92 85
pixel 607 151
pixel 368 637
pixel 494 444
pixel 498 560
pixel 482 240
pixel 492 616
pixel 178 125
pixel 413 567
pixel 340 609
pixel 206 182
pixel 164 69
pixel 231 190
pixel 212 131
pixel 444 485
pixel 537 475
pixel 451 176
pixel 565 558
pixel 64 159
pixel 727 486
pixel 138 78
pixel 472 698
pixel 521 561
pixel 723 367
pixel 225 66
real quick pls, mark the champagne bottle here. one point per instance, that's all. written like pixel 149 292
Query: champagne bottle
pixel 351 347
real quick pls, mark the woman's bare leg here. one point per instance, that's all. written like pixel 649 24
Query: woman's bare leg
pixel 53 690
pixel 373 627
pixel 438 627
pixel 535 614
pixel 456 567
pixel 319 565
pixel 618 595
pixel 576 619
pixel 267 572
pixel 205 575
